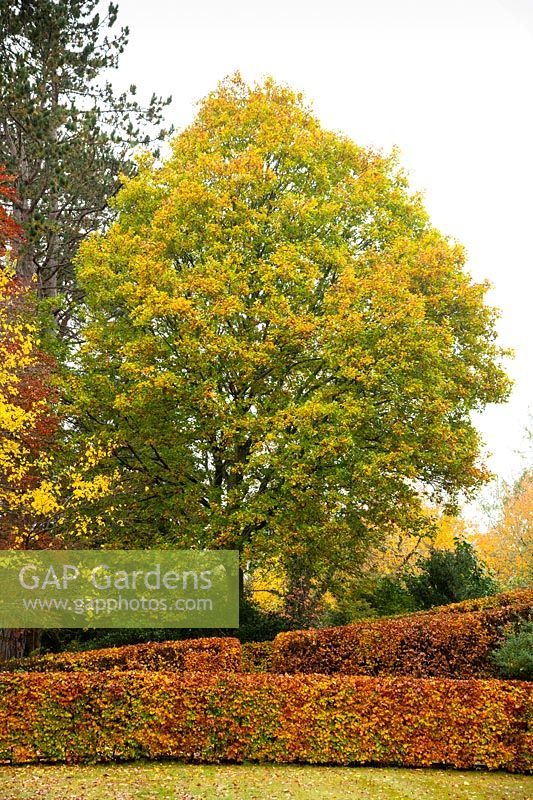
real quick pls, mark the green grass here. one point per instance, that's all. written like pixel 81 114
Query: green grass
pixel 173 781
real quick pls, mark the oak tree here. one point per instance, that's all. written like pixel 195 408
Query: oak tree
pixel 281 352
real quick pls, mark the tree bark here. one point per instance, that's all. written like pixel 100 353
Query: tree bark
pixel 12 643
pixel 18 642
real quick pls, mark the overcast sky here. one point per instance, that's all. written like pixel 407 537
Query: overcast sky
pixel 447 81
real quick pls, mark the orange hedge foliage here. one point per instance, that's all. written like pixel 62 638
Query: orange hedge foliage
pixel 198 655
pixel 256 656
pixel 313 719
pixel 446 644
pixel 518 597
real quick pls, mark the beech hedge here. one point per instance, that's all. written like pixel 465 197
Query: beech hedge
pixel 189 655
pixel 256 656
pixel 452 643
pixel 517 597
pixel 316 719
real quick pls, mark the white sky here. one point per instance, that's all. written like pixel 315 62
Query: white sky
pixel 448 81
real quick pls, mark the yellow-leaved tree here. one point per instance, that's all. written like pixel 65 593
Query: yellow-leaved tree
pixel 283 348
pixel 28 422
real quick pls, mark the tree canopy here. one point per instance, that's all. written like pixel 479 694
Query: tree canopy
pixel 281 352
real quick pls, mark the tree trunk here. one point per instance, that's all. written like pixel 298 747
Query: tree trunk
pixel 12 643
pixel 18 642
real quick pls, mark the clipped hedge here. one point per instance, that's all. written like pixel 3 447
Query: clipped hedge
pixel 517 597
pixel 256 656
pixel 316 719
pixel 189 655
pixel 445 644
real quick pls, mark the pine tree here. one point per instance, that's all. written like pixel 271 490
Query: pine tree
pixel 64 132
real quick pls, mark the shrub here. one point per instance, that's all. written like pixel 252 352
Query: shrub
pixel 77 639
pixel 443 644
pixel 256 656
pixel 257 624
pixel 441 577
pixel 514 656
pixel 200 655
pixel 303 718
pixel 449 576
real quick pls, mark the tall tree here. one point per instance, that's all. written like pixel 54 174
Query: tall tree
pixel 63 133
pixel 281 353
pixel 28 427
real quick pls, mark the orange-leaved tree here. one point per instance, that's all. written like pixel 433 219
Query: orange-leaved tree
pixel 507 546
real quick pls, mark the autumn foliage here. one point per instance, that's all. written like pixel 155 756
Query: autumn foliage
pixel 28 422
pixel 315 719
pixel 257 656
pixel 508 546
pixel 451 643
pixel 10 231
pixel 518 597
pixel 283 347
pixel 128 702
pixel 279 354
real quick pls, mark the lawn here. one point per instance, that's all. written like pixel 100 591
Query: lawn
pixel 172 781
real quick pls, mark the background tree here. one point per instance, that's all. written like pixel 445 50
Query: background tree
pixel 281 353
pixel 27 421
pixel 40 489
pixel 440 576
pixel 44 502
pixel 65 135
pixel 378 585
pixel 508 545
pixel 28 428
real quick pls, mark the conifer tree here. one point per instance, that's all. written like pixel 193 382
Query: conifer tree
pixel 64 132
